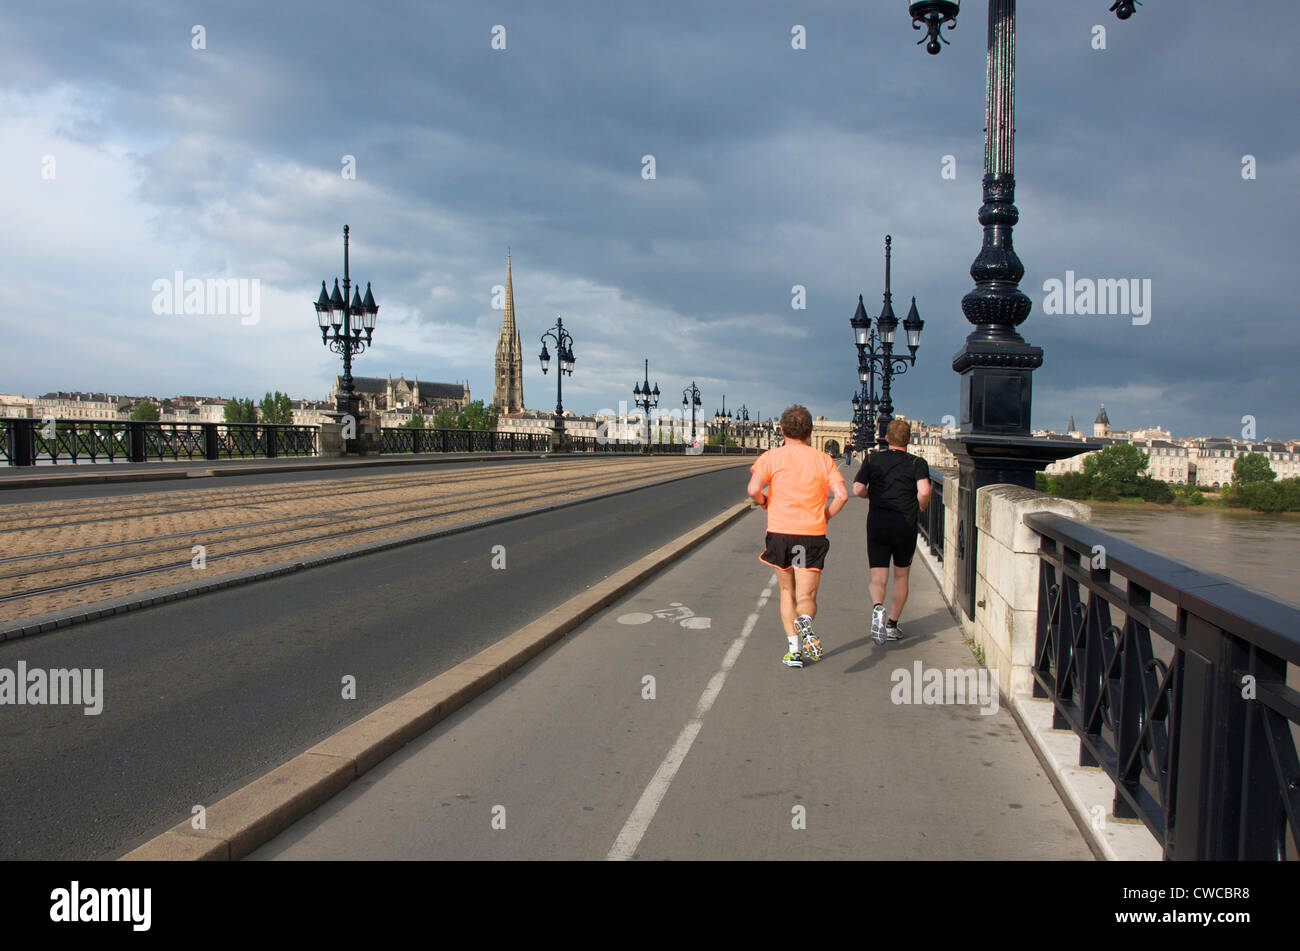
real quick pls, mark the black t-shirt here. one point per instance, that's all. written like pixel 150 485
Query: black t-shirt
pixel 890 477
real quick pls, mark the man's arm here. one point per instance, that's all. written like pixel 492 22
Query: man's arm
pixel 839 495
pixel 755 490
pixel 859 490
pixel 923 493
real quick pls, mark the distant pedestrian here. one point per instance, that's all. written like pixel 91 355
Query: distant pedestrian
pixel 798 478
pixel 897 484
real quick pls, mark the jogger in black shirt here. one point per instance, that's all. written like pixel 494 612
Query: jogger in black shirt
pixel 897 484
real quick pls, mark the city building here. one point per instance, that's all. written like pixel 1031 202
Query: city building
pixel 380 396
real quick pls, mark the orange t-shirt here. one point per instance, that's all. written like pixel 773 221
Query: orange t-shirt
pixel 799 477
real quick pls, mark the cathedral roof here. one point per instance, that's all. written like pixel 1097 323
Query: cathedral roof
pixel 378 385
pixel 1102 417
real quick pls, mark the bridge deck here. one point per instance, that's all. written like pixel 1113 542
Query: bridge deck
pixel 576 763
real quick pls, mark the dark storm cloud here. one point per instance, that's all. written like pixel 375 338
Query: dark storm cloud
pixel 775 167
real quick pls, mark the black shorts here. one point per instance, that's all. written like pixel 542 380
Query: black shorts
pixel 889 535
pixel 795 551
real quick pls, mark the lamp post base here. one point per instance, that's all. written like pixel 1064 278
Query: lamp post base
pixel 994 460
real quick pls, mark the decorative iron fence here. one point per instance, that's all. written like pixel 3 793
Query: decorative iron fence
pixel 597 445
pixel 29 442
pixel 1197 735
pixel 404 439
pixel 930 524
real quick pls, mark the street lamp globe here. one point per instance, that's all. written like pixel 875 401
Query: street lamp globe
pixel 913 324
pixel 861 324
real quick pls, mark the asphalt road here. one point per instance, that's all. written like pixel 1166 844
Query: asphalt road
pixel 202 695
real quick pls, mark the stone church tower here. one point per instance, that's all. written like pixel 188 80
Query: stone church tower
pixel 508 385
pixel 1101 425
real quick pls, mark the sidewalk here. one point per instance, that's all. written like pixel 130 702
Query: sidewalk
pixel 725 753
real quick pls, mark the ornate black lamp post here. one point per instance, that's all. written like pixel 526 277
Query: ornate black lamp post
pixel 995 362
pixel 742 424
pixel 864 404
pixel 646 399
pixel 564 350
pixel 722 418
pixel 691 397
pixel 347 321
pixel 869 358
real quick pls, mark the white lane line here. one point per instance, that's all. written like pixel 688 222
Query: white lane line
pixel 644 812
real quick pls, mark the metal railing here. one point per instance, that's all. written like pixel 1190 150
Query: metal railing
pixel 404 439
pixel 1197 734
pixel 29 442
pixel 596 444
pixel 930 523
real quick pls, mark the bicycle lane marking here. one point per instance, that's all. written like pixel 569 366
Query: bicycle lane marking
pixel 644 812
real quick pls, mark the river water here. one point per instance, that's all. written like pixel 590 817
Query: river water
pixel 1258 551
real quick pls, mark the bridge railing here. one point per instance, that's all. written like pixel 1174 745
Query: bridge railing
pixel 930 524
pixel 398 439
pixel 595 444
pixel 1196 728
pixel 29 442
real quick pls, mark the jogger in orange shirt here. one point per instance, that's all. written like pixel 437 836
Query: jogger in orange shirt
pixel 798 478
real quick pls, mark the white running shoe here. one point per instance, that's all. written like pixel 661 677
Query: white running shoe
pixel 878 624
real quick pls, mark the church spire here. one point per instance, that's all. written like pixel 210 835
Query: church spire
pixel 509 324
pixel 508 388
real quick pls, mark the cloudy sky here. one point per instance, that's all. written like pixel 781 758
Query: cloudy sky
pixel 129 155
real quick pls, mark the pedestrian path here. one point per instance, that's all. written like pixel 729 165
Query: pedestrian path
pixel 666 727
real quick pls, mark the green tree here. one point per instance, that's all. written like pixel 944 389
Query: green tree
pixel 146 411
pixel 444 419
pixel 415 422
pixel 277 408
pixel 1071 485
pixel 1153 490
pixel 1120 468
pixel 240 411
pixel 1252 468
pixel 477 416
pixel 1188 495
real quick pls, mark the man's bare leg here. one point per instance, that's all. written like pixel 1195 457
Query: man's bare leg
pixel 898 597
pixel 785 580
pixel 806 582
pixel 879 577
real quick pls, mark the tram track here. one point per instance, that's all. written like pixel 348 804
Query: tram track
pixel 44 578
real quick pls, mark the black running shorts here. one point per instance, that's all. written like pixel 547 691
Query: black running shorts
pixel 795 551
pixel 889 535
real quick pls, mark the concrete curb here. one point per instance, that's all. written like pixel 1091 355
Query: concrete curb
pixel 55 620
pixel 255 814
pixel 1081 789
